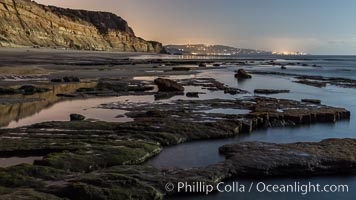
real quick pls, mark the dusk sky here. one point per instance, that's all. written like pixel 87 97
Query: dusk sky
pixel 312 26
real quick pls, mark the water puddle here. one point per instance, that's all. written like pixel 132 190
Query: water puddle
pixel 55 108
pixel 12 161
pixel 87 107
pixel 229 111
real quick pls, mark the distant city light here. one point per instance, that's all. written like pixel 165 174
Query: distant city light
pixel 291 53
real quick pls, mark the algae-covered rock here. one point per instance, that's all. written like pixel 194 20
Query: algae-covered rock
pixel 97 157
pixel 270 91
pixel 242 74
pixel 101 160
pixel 102 186
pixel 28 194
pixel 167 85
pixel 76 117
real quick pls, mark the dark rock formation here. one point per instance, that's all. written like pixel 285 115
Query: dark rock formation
pixel 213 85
pixel 316 81
pixel 7 91
pixel 297 159
pixel 67 95
pixel 313 101
pixel 30 89
pixel 122 86
pixel 100 160
pixel 56 80
pixel 167 85
pixel 202 65
pixel 318 84
pixel 25 90
pixel 270 91
pixel 193 94
pixel 242 74
pixel 69 79
pixel 66 79
pixel 26 23
pixel 265 112
pixel 167 95
pixel 250 159
pixel 76 117
pixel 182 68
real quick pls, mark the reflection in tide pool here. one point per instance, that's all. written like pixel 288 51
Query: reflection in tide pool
pixel 54 108
pixel 12 161
pixel 13 111
pixel 87 107
pixel 61 111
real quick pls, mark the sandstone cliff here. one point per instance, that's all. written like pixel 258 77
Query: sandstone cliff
pixel 26 23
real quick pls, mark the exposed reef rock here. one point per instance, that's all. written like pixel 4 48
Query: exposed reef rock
pixel 270 91
pixel 264 112
pixel 99 160
pixel 242 74
pixel 316 81
pixel 296 159
pixel 167 85
pixel 318 84
pixel 96 160
pixel 314 101
pixel 26 23
pixel 25 90
pixel 76 117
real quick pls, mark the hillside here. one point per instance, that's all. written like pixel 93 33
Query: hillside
pixel 201 49
pixel 26 23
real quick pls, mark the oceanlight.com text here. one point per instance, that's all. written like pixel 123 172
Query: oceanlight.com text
pixel 261 187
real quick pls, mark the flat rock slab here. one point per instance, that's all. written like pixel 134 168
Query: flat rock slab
pixel 242 74
pixel 101 160
pixel 270 91
pixel 331 156
pixel 265 112
pixel 250 159
pixel 314 101
pixel 316 81
pixel 167 85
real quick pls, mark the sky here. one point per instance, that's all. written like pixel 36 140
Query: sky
pixel 311 26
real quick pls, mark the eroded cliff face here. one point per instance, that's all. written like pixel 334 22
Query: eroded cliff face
pixel 26 23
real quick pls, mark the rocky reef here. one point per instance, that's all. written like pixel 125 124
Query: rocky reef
pixel 298 159
pixel 26 23
pixel 270 91
pixel 87 159
pixel 315 81
pixel 100 160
